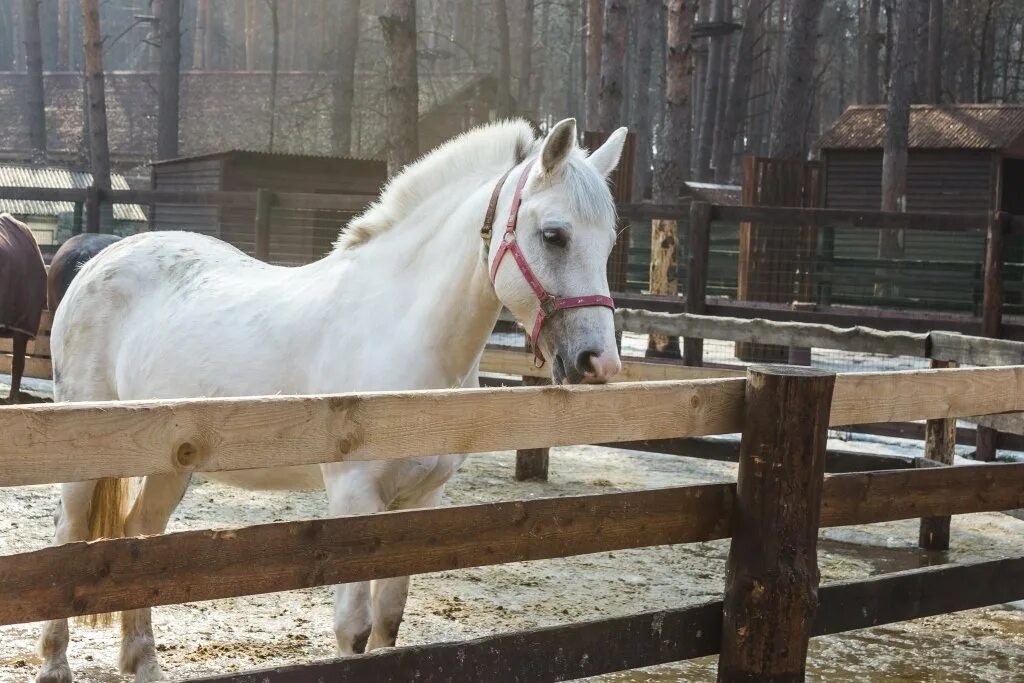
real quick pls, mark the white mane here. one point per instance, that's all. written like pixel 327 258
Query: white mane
pixel 498 145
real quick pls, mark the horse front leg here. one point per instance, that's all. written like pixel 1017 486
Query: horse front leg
pixel 352 490
pixel 20 345
pixel 152 509
pixel 391 595
pixel 72 520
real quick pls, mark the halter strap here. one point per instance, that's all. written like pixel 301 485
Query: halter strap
pixel 549 304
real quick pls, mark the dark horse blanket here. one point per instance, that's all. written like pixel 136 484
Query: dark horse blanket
pixel 22 279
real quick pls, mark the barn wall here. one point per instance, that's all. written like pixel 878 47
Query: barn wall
pixel 199 175
pixel 944 273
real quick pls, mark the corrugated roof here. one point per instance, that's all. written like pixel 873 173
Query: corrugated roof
pixel 12 175
pixel 262 153
pixel 961 126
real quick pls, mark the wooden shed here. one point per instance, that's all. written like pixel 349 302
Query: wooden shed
pixel 962 158
pixel 966 157
pixel 295 236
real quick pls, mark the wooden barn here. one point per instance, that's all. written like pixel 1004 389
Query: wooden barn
pixel 962 158
pixel 296 236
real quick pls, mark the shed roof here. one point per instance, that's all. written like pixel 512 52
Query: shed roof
pixel 262 154
pixel 960 126
pixel 14 175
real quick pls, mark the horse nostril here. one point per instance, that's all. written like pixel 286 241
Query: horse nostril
pixel 585 362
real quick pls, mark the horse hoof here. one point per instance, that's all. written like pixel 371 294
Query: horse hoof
pixel 55 673
pixel 150 672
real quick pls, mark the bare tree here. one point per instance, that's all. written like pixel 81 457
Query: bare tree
pixel 275 56
pixel 63 35
pixel 673 159
pixel 169 86
pixel 343 86
pixel 252 35
pixel 792 110
pixel 933 92
pixel 897 134
pixel 399 26
pixel 872 93
pixel 200 36
pixel 613 64
pixel 99 150
pixel 649 23
pixel 526 58
pixel 595 37
pixel 34 100
pixel 739 91
pixel 503 103
pixel 709 98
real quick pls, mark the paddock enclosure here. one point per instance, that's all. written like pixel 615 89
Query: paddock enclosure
pixel 760 625
pixel 772 514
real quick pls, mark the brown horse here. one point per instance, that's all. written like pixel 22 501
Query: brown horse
pixel 71 256
pixel 22 292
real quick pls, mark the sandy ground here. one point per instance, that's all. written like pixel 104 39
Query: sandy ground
pixel 260 631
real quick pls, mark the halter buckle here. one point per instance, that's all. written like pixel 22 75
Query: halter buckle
pixel 509 236
pixel 547 304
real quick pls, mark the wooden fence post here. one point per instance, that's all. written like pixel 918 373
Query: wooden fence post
pixel 264 202
pixel 76 219
pixel 939 447
pixel 532 463
pixel 772 573
pixel 699 241
pixel 992 313
pixel 92 209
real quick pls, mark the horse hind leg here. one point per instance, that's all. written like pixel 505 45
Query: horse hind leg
pixel 153 507
pixel 20 346
pixel 72 520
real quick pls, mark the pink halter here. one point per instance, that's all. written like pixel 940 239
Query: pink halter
pixel 549 304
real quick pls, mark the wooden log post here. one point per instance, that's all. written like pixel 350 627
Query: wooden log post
pixel 264 203
pixel 699 242
pixel 992 314
pixel 772 573
pixel 92 209
pixel 664 281
pixel 939 447
pixel 532 463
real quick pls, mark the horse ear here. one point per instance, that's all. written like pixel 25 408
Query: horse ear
pixel 606 157
pixel 557 146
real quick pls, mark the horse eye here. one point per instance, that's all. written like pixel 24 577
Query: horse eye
pixel 556 236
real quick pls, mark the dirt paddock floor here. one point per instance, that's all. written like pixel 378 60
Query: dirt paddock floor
pixel 267 630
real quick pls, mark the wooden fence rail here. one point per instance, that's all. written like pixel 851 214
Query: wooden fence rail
pixel 560 653
pixel 49 443
pixel 99 576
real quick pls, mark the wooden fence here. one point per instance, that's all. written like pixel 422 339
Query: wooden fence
pixel 783 414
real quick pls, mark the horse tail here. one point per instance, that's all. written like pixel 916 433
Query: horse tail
pixel 110 504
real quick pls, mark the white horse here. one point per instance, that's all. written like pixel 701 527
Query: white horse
pixel 404 301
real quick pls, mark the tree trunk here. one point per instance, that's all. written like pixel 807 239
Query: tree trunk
pixel 897 131
pixel 921 25
pixel 202 26
pixel 595 37
pixel 275 55
pixel 503 103
pixel 739 92
pixel 673 160
pixel 709 96
pixel 63 34
pixel 35 96
pixel 343 86
pixel 872 89
pixel 647 26
pixel 613 63
pixel 526 60
pixel 789 125
pixel 252 35
pixel 934 90
pixel 99 151
pixel 170 64
pixel 399 27
pixel 538 85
